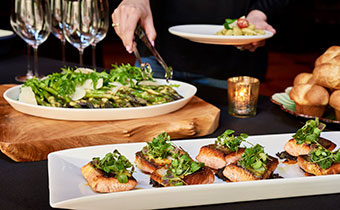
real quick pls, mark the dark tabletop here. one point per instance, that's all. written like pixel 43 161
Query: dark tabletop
pixel 25 185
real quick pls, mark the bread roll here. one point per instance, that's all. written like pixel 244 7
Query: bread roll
pixel 303 78
pixel 334 101
pixel 310 99
pixel 327 75
pixel 328 55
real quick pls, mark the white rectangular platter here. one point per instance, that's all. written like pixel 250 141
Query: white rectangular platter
pixel 68 188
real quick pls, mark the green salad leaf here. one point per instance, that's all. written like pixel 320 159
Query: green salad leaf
pixel 114 164
pixel 159 147
pixel 181 166
pixel 228 22
pixel 254 159
pixel 324 158
pixel 125 74
pixel 310 132
pixel 229 141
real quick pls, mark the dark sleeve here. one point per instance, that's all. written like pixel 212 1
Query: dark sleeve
pixel 272 8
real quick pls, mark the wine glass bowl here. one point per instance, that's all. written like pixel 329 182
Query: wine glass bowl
pixel 102 25
pixel 79 20
pixel 30 19
pixel 57 24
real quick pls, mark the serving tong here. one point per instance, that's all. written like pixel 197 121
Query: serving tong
pixel 140 33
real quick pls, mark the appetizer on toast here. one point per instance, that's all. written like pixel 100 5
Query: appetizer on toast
pixel 225 150
pixel 306 138
pixel 254 164
pixel 113 173
pixel 320 161
pixel 182 171
pixel 155 154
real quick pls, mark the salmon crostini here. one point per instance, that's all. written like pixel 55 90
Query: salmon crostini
pixel 307 138
pixel 155 154
pixel 320 161
pixel 295 149
pixel 182 171
pixel 225 150
pixel 254 164
pixel 113 173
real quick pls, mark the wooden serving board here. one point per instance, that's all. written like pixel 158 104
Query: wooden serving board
pixel 28 138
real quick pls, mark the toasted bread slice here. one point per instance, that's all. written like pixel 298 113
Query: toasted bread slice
pixel 217 158
pixel 202 176
pixel 314 168
pixel 294 149
pixel 100 183
pixel 236 173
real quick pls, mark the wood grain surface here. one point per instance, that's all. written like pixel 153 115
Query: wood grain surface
pixel 28 138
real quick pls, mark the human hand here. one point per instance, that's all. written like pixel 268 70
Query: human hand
pixel 126 17
pixel 259 19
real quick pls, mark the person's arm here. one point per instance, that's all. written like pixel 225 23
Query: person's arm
pixel 126 17
pixel 258 15
pixel 270 8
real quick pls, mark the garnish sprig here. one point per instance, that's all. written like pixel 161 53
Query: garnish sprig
pixel 116 165
pixel 181 166
pixel 324 158
pixel 310 132
pixel 127 74
pixel 228 140
pixel 254 159
pixel 159 147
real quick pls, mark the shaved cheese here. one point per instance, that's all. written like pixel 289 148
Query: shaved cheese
pixel 148 82
pixel 83 70
pixel 79 93
pixel 99 83
pixel 88 84
pixel 117 84
pixel 27 96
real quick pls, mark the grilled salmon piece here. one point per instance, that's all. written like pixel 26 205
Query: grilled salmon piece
pixel 149 165
pixel 314 168
pixel 236 173
pixel 202 176
pixel 294 149
pixel 103 184
pixel 216 158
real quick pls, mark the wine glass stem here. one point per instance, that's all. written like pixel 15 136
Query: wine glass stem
pixel 29 69
pixel 94 64
pixel 63 43
pixel 36 68
pixel 81 52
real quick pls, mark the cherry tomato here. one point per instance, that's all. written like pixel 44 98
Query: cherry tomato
pixel 242 23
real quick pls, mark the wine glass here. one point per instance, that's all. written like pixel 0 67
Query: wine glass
pixel 102 26
pixel 31 19
pixel 79 20
pixel 57 24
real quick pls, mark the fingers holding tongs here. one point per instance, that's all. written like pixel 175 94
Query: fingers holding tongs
pixel 139 32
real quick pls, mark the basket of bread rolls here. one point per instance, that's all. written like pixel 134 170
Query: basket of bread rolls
pixel 317 94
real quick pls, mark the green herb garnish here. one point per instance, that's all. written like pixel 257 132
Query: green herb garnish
pixel 125 74
pixel 228 22
pixel 114 164
pixel 324 158
pixel 310 132
pixel 181 166
pixel 160 147
pixel 228 140
pixel 254 159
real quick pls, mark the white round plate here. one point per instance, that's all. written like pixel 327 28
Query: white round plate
pixel 186 90
pixel 207 34
pixel 4 34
